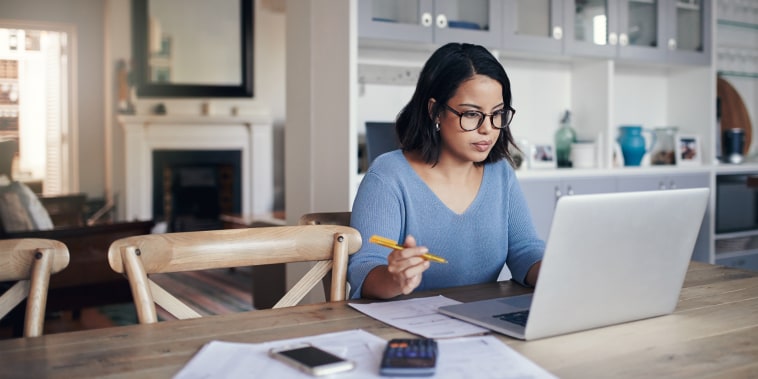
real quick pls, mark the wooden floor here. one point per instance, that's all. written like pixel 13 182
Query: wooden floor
pixel 209 292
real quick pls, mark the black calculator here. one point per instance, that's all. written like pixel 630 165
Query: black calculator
pixel 409 357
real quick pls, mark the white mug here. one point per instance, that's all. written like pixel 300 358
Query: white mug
pixel 583 155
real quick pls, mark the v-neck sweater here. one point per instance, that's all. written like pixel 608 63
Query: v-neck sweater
pixel 495 230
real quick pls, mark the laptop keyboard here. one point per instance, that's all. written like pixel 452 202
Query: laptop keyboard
pixel 518 318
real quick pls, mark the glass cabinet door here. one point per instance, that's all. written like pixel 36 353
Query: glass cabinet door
pixel 406 20
pixel 473 21
pixel 591 27
pixel 641 29
pixel 533 25
pixel 431 21
pixel 689 38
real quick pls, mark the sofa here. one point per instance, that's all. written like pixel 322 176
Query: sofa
pixel 88 280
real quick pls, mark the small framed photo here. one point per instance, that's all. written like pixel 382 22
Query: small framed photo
pixel 542 155
pixel 688 150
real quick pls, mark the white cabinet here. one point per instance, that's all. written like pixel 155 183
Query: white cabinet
pixel 431 21
pixel 533 26
pixel 670 31
pixel 543 193
pixel 652 182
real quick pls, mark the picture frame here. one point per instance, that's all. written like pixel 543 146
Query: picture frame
pixel 688 150
pixel 542 156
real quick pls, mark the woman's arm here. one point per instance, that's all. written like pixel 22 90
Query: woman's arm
pixel 533 274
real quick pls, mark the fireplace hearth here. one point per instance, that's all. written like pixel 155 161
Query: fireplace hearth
pixel 193 188
pixel 250 134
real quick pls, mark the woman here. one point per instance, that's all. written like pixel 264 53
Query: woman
pixel 450 190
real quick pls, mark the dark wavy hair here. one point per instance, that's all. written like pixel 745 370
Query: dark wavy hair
pixel 442 74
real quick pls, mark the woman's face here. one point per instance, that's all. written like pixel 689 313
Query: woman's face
pixel 480 93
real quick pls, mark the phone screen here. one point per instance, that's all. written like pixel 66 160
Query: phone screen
pixel 311 356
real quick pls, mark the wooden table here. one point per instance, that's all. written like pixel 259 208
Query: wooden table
pixel 713 333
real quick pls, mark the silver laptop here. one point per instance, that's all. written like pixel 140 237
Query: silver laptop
pixel 610 258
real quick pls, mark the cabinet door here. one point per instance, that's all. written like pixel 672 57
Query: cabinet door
pixel 542 195
pixel 591 28
pixel 689 31
pixel 662 182
pixel 403 20
pixel 472 21
pixel 533 25
pixel 680 181
pixel 641 30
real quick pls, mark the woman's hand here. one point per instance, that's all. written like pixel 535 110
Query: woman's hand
pixel 400 276
pixel 407 266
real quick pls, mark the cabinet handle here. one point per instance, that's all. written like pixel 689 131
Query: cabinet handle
pixel 661 185
pixel 570 191
pixel 672 185
pixel 426 19
pixel 558 193
pixel 558 33
pixel 672 43
pixel 623 39
pixel 441 21
pixel 612 39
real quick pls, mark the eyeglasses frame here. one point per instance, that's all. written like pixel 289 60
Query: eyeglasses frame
pixel 482 118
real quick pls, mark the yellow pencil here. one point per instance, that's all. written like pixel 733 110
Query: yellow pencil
pixel 386 242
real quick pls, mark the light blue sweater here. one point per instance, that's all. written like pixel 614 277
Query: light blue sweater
pixel 496 229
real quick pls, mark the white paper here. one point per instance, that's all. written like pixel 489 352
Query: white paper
pixel 243 360
pixel 480 357
pixel 484 357
pixel 420 316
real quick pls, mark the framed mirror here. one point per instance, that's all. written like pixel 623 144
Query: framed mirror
pixel 193 48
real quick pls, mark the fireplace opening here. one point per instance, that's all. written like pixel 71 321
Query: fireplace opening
pixel 191 188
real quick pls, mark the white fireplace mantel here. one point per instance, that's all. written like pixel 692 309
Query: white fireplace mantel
pixel 251 134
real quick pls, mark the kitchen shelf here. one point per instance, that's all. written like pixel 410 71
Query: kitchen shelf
pixel 735 235
pixel 738 24
pixel 738 74
pixel 736 254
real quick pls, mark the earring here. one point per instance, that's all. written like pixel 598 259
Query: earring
pixel 437 126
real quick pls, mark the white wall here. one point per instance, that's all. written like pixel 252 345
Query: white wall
pixel 537 115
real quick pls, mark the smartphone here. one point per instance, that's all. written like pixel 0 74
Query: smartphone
pixel 310 359
pixel 409 357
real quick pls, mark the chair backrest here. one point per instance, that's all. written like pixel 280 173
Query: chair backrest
pixel 30 262
pixel 138 256
pixel 325 218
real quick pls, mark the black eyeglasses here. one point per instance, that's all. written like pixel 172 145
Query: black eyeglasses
pixel 471 120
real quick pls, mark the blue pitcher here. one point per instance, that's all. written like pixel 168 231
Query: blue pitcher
pixel 633 145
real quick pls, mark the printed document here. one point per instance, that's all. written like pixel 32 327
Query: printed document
pixel 481 357
pixel 420 316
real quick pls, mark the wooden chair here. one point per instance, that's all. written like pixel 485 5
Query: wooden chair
pixel 139 256
pixel 325 218
pixel 30 262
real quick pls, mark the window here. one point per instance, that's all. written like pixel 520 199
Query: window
pixel 34 104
